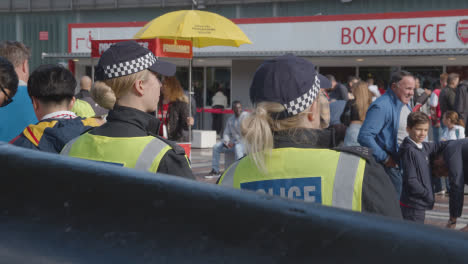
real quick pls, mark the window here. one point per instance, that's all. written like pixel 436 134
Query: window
pixel 218 79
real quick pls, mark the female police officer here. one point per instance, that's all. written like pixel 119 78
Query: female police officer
pixel 289 155
pixel 129 138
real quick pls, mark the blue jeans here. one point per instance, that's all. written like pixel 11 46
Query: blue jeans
pixel 437 181
pixel 351 136
pixel 437 133
pixel 221 148
pixel 396 177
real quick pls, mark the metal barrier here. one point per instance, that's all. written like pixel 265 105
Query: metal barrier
pixel 56 209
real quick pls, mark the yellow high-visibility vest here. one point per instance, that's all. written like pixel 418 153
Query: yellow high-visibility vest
pixel 142 153
pixel 323 176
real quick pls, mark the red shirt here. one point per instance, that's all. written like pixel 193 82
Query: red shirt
pixel 163 118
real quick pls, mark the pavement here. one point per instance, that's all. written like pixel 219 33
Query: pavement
pixel 201 166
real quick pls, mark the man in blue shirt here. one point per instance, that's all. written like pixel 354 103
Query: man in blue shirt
pixel 231 138
pixel 19 113
pixel 384 128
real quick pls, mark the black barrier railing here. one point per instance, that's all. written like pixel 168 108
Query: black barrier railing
pixel 56 209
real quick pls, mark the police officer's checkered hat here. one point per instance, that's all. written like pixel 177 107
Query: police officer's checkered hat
pixel 288 80
pixel 129 57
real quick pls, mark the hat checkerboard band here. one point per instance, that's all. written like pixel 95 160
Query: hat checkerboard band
pixel 130 67
pixel 300 104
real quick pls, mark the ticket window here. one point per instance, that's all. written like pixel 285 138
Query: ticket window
pixel 197 82
pixel 461 70
pixel 218 79
pixel 428 75
pixel 380 75
pixel 341 74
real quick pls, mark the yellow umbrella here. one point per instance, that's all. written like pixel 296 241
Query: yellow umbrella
pixel 202 28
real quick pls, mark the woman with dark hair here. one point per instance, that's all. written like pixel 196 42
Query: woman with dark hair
pixel 8 82
pixel 174 111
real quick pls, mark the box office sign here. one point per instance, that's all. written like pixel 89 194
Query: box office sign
pixel 446 29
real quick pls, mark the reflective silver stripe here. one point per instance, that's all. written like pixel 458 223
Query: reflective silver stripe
pixel 66 150
pixel 149 153
pixel 343 188
pixel 228 177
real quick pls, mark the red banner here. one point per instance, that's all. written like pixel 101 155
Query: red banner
pixel 171 48
pixel 160 47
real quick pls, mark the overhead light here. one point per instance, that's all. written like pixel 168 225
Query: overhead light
pixel 199 4
pixel 76 60
pixel 452 58
pixel 359 59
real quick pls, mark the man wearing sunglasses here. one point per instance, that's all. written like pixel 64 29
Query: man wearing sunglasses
pixel 8 82
pixel 17 111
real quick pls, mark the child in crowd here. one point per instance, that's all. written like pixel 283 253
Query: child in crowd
pixel 455 126
pixel 52 89
pixel 415 155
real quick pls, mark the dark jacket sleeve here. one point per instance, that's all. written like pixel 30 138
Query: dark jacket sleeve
pixel 378 194
pixel 460 104
pixel 176 163
pixel 436 148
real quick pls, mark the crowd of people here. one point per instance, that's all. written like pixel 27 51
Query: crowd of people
pixel 308 137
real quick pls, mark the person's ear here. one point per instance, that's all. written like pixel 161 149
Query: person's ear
pixel 310 115
pixel 72 103
pixel 25 67
pixel 35 103
pixel 408 129
pixel 138 87
pixel 313 116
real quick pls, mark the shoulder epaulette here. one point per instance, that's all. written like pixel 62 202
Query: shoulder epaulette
pixel 363 152
pixel 34 132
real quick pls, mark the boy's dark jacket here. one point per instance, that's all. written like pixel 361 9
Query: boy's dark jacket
pixel 51 135
pixel 417 183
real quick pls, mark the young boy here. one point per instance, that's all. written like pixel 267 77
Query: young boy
pixel 51 88
pixel 417 195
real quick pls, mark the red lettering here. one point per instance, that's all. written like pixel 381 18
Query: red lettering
pixel 385 34
pixel 424 33
pixel 345 35
pixel 410 32
pixel 440 32
pixel 419 33
pixel 363 35
pixel 371 35
pixel 400 33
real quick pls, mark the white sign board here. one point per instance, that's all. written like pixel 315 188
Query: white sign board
pixel 272 34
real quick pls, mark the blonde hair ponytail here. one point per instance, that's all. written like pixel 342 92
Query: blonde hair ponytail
pixel 103 95
pixel 258 135
pixel 257 130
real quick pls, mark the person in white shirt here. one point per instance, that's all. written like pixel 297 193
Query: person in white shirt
pixel 219 101
pixel 454 126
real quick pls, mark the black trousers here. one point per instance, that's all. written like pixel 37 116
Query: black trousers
pixel 413 214
pixel 218 120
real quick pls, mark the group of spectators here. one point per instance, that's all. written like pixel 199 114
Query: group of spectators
pixel 398 138
pixel 308 136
